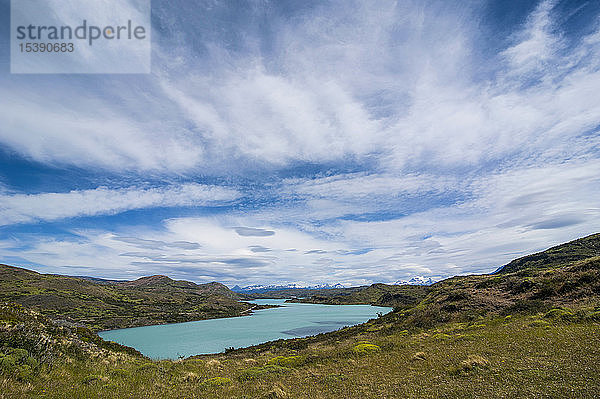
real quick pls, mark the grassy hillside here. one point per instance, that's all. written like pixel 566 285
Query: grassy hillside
pixel 533 332
pixel 101 305
pixel 582 248
pixel 494 357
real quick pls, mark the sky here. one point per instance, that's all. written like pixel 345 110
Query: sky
pixel 310 142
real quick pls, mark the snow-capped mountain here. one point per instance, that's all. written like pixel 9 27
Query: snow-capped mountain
pixel 275 287
pixel 327 286
pixel 417 280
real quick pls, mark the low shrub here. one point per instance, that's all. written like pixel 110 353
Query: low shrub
pixel 560 314
pixel 190 377
pixel 539 323
pixel 365 348
pixel 215 382
pixel 17 363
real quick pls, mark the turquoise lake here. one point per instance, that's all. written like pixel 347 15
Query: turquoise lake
pixel 292 320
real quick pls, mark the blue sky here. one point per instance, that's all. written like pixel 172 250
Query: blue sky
pixel 310 142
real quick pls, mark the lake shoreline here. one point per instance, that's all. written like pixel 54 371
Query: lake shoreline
pixel 285 321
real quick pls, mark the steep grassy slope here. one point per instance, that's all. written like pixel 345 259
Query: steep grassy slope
pixel 559 255
pixel 149 300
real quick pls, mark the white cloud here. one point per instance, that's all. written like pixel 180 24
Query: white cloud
pixel 19 208
pixel 357 186
pixel 537 44
pixel 505 215
pixel 393 81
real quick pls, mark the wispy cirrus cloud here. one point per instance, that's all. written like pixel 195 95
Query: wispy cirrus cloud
pixel 412 100
pixel 21 208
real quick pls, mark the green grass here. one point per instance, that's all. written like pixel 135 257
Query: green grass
pixel 512 359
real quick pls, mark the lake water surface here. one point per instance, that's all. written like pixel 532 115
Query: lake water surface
pixel 292 320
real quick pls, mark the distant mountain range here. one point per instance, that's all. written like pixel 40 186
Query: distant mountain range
pixel 258 288
pixel 261 289
pixel 417 280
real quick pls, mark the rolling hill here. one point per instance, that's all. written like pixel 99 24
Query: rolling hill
pixel 118 304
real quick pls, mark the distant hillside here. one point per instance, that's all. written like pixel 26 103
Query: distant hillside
pixel 273 288
pixel 376 294
pixel 300 292
pixel 379 294
pixel 582 248
pixel 109 304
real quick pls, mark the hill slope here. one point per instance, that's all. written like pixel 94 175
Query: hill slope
pixel 148 300
pixel 582 248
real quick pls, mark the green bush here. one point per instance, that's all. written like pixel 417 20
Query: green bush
pixel 17 363
pixel 365 348
pixel 539 323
